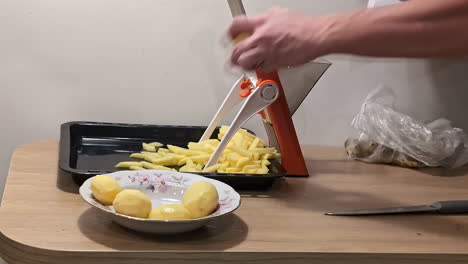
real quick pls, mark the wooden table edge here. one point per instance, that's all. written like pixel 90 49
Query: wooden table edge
pixel 16 252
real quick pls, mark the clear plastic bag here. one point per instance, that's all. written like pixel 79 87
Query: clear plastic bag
pixel 387 136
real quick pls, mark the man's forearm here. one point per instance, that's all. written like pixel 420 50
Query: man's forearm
pixel 418 28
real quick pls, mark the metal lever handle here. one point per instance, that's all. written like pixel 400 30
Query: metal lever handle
pixel 237 8
pixel 229 102
pixel 262 97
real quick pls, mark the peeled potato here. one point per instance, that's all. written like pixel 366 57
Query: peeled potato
pixel 104 189
pixel 201 199
pixel 170 212
pixel 132 203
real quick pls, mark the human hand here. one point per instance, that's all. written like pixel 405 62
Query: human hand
pixel 278 38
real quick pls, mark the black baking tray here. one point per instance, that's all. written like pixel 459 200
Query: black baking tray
pixel 91 148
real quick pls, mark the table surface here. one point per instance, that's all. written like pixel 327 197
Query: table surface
pixel 44 220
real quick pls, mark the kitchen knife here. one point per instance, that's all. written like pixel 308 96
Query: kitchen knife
pixel 443 207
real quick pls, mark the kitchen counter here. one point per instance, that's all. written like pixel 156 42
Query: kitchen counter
pixel 44 220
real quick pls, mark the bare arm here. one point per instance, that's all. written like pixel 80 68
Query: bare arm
pixel 417 28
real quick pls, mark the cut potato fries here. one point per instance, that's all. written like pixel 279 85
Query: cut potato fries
pixel 149 147
pixel 245 154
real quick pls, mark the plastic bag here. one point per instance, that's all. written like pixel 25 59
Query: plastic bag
pixel 387 136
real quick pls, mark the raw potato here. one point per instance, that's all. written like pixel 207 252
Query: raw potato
pixel 201 199
pixel 104 189
pixel 132 203
pixel 170 212
pixel 241 154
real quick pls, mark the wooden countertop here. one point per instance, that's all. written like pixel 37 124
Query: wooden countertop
pixel 44 220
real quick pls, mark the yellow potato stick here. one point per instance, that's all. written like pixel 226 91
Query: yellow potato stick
pixel 223 130
pixel 267 156
pixel 156 144
pixel 186 169
pixel 182 161
pixel 136 168
pixel 254 143
pixel 248 167
pixel 213 168
pixel 192 145
pixel 153 154
pixel 266 162
pixel 233 170
pixel 211 142
pixel 137 155
pixel 246 134
pixel 256 156
pixel 127 164
pixel 213 148
pixel 220 136
pixel 224 165
pixel 222 158
pixel 163 150
pixel 199 167
pixel 241 151
pixel 221 171
pixel 200 158
pixel 176 157
pixel 190 163
pixel 152 166
pixel 261 143
pixel 263 150
pixel 166 161
pixel 230 144
pixel 242 162
pixel 252 171
pixel 262 170
pixel 198 147
pixel 183 151
pixel 255 162
pixel 150 158
pixel 148 165
pixel 276 155
pixel 238 140
pixel 148 147
pixel 246 144
pixel 197 159
pixel 234 156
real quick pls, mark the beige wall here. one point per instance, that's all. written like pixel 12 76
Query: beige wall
pixel 159 62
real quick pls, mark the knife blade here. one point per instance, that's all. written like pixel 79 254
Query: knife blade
pixel 442 207
pixel 299 81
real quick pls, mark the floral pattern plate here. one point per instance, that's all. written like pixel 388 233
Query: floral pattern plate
pixel 162 187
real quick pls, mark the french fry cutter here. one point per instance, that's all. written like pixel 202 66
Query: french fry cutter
pixel 263 93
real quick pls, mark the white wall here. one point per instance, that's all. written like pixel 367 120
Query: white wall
pixel 159 62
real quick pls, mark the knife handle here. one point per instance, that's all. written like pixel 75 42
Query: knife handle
pixel 452 207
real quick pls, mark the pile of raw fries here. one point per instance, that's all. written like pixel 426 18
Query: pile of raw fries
pixel 245 153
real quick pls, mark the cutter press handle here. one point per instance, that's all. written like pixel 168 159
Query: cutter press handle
pixel 229 103
pixel 260 98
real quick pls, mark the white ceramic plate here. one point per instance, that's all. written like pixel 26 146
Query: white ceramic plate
pixel 162 187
